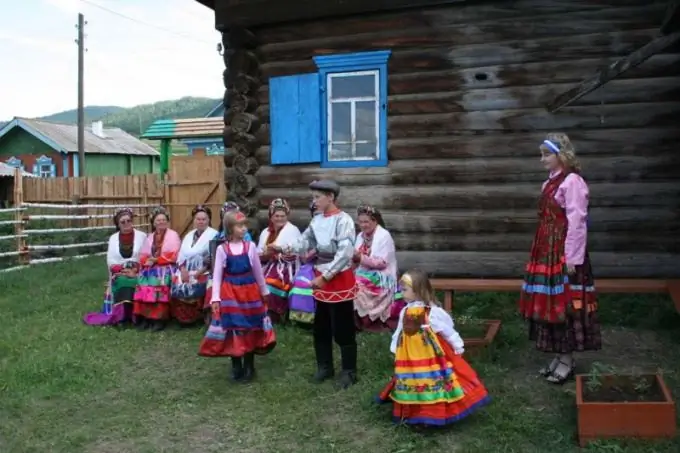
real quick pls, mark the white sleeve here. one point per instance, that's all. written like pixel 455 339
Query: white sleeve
pixel 111 252
pixel 397 332
pixel 442 323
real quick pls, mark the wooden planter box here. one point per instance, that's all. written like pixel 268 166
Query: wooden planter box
pixel 643 419
pixel 474 345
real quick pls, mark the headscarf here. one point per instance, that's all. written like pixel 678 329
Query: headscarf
pixel 228 206
pixel 202 208
pixel 372 212
pixel 159 210
pixel 125 211
pixel 278 204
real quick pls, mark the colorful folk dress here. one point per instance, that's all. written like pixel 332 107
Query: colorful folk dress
pixel 243 325
pixel 122 258
pixel 432 384
pixel 279 270
pixel 187 297
pixel 301 296
pixel 152 294
pixel 561 309
pixel 376 277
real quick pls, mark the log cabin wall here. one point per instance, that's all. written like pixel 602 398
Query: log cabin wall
pixel 468 87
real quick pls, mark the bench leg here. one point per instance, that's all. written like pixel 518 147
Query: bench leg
pixel 448 301
pixel 674 292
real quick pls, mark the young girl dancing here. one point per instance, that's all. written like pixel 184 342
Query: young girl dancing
pixel 240 327
pixel 432 385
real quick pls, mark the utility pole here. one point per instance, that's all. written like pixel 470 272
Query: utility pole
pixel 81 93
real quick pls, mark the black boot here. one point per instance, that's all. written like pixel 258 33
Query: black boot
pixel 248 367
pixel 157 326
pixel 141 323
pixel 237 368
pixel 348 376
pixel 324 361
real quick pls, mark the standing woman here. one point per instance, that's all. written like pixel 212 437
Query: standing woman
pixel 332 235
pixel 190 280
pixel 376 273
pixel 158 259
pixel 279 269
pixel 122 259
pixel 558 294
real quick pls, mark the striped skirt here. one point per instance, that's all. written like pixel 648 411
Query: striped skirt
pixel 152 294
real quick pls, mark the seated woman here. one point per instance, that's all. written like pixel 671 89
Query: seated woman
pixel 219 238
pixel 190 280
pixel 375 259
pixel 301 300
pixel 122 258
pixel 279 269
pixel 158 259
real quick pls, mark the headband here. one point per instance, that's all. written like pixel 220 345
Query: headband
pixel 368 210
pixel 158 211
pixel 406 280
pixel 228 207
pixel 201 208
pixel 278 204
pixel 239 217
pixel 553 147
pixel 120 213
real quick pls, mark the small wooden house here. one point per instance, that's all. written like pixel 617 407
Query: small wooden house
pixel 48 149
pixel 433 111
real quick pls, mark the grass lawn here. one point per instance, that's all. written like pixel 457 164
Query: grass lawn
pixel 65 387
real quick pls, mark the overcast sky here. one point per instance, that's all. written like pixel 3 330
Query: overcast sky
pixel 168 50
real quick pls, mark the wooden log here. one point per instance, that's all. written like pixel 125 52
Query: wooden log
pixel 671 22
pixel 508 170
pixel 232 137
pixel 248 205
pixel 244 123
pixel 513 75
pixel 652 222
pixel 244 185
pixel 500 53
pixel 245 165
pixel 467 14
pixel 443 33
pixel 511 264
pixel 606 74
pixel 581 117
pixel 245 149
pixel 486 196
pixel 241 61
pixel 229 175
pixel 239 38
pixel 658 89
pixel 238 102
pixel 245 84
pixel 603 142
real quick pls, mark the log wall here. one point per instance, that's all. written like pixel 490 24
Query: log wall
pixel 468 85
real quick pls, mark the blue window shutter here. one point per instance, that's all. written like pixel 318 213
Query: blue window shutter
pixel 295 117
pixel 53 170
pixel 35 170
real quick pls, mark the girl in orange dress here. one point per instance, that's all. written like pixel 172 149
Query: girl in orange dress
pixel 432 385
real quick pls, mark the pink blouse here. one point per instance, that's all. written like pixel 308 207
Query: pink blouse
pixel 572 196
pixel 221 257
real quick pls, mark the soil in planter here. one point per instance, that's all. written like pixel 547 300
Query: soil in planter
pixel 619 389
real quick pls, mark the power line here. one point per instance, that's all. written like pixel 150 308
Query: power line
pixel 146 24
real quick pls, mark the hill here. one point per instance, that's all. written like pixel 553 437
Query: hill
pixel 92 113
pixel 135 120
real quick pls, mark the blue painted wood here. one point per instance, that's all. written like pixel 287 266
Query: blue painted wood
pixel 14 162
pixel 44 160
pixel 76 165
pixel 351 62
pixel 53 170
pixel 295 119
pixel 64 166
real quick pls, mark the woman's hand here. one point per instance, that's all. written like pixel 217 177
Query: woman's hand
pixel 150 262
pixel 318 282
pixel 215 307
pixel 571 269
pixel 184 274
pixel 274 248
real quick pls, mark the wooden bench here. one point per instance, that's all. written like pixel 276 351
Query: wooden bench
pixel 606 286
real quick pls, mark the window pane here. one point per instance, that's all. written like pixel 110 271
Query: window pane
pixel 352 86
pixel 367 151
pixel 365 116
pixel 341 128
pixel 340 152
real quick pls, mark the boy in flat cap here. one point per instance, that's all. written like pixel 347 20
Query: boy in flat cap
pixel 332 235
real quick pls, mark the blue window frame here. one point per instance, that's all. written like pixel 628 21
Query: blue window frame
pixel 336 117
pixel 14 162
pixel 44 167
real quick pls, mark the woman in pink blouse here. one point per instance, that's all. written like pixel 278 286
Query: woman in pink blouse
pixel 558 294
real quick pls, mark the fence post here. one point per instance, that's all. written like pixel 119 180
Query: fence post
pixel 19 217
pixel 145 201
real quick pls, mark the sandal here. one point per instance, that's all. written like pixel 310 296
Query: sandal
pixel 550 368
pixel 560 377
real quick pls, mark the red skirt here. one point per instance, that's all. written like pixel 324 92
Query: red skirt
pixel 158 311
pixel 341 288
pixel 441 414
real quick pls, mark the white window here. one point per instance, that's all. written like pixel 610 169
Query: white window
pixel 353 115
pixel 45 170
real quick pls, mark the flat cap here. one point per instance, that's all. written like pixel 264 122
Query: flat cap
pixel 325 185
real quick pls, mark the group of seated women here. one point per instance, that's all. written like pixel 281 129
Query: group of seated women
pixel 158 277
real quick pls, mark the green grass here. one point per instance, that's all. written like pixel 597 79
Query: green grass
pixel 65 387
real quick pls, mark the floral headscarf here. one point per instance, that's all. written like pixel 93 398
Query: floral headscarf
pixel 228 207
pixel 159 210
pixel 372 212
pixel 278 204
pixel 125 211
pixel 202 208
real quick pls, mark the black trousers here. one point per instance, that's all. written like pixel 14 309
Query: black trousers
pixel 335 321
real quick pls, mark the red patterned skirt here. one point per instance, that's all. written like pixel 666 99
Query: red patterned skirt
pixel 341 288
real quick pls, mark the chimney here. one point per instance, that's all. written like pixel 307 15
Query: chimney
pixel 98 128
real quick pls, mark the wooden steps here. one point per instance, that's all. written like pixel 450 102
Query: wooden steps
pixel 605 286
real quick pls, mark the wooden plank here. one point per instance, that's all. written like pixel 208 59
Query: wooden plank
pixel 511 264
pixel 606 74
pixel 485 196
pixel 611 286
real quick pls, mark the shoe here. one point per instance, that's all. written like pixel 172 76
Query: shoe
pixel 348 376
pixel 562 373
pixel 248 367
pixel 347 379
pixel 142 324
pixel 157 326
pixel 236 368
pixel 550 368
pixel 324 361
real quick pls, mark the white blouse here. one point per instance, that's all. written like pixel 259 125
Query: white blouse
pixel 440 322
